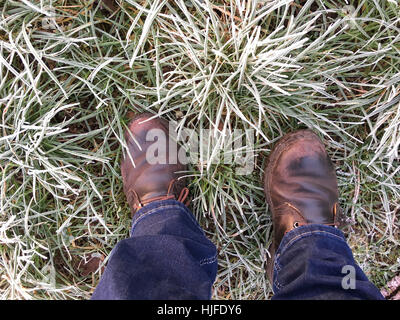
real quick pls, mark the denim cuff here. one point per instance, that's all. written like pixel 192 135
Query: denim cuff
pixel 297 234
pixel 306 231
pixel 161 208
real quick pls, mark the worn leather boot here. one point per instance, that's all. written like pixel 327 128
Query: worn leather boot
pixel 300 186
pixel 147 181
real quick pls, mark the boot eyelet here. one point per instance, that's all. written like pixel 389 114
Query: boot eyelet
pixel 296 224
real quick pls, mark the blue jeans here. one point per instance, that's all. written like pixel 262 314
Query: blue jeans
pixel 169 257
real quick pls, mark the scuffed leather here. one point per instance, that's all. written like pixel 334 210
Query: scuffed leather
pixel 300 183
pixel 146 181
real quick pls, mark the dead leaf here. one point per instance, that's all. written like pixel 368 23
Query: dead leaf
pixel 90 263
pixel 111 5
pixel 393 289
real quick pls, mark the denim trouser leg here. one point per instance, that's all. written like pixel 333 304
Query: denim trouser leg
pixel 166 257
pixel 315 262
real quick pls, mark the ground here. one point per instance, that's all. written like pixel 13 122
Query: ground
pixel 73 72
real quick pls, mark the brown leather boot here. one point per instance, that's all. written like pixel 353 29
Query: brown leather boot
pixel 145 182
pixel 300 186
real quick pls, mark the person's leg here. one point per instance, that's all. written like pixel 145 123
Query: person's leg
pixel 310 257
pixel 315 262
pixel 166 257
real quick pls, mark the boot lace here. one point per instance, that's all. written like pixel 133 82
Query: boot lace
pixel 183 195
